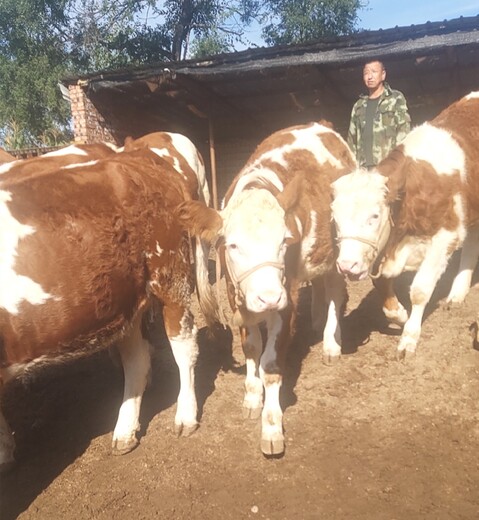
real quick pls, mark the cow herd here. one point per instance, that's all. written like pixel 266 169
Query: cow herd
pixel 97 239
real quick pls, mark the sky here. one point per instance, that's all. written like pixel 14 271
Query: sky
pixel 384 14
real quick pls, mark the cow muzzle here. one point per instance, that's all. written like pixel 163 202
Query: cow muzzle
pixel 258 289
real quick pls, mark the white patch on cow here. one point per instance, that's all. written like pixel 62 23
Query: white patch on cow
pixel 299 224
pixel 4 168
pixel 159 251
pixel 305 139
pixel 68 150
pixel 309 240
pixel 14 288
pixel 408 256
pixel 78 165
pixel 461 215
pixel 163 152
pixel 134 351
pixel 472 95
pixel 437 147
pixel 186 149
pixel 272 416
pixel 185 351
pixel 113 147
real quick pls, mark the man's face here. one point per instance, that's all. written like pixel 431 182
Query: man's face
pixel 373 75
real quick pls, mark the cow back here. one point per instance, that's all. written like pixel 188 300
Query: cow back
pixel 87 241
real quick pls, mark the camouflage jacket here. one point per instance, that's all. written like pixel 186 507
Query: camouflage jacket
pixel 391 124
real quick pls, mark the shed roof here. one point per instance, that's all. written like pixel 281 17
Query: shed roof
pixel 433 64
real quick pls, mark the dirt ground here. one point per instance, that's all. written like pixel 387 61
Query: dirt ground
pixel 369 438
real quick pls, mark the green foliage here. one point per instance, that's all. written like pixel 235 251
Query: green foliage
pixel 43 41
pixel 31 61
pixel 210 45
pixel 300 21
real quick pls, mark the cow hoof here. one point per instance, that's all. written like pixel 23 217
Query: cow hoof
pixel 273 447
pixel 182 430
pixel 251 413
pixel 398 317
pixel 405 355
pixel 121 447
pixel 331 359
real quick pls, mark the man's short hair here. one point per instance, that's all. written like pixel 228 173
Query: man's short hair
pixel 374 61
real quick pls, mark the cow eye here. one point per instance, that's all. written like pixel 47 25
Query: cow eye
pixel 232 246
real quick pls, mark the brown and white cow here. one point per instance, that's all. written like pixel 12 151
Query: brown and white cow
pixel 275 233
pixel 85 252
pixel 181 153
pixel 66 157
pixel 175 149
pixel 413 212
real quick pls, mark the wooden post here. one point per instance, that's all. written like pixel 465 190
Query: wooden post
pixel 213 163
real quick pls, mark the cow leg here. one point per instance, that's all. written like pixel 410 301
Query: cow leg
pixel 469 255
pixel 181 332
pixel 7 444
pixel 422 287
pixel 252 344
pixel 134 352
pixel 392 307
pixel 271 372
pixel 318 309
pixel 335 294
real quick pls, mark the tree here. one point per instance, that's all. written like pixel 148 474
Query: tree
pixel 299 21
pixel 32 59
pixel 42 41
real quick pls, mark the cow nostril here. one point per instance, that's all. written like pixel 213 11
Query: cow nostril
pixel 269 299
pixel 346 267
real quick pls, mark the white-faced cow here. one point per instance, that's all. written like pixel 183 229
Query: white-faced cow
pixel 85 252
pixel 275 232
pixel 412 212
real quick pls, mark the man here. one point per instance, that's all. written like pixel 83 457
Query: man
pixel 379 120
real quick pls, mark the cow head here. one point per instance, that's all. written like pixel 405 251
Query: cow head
pixel 361 213
pixel 253 230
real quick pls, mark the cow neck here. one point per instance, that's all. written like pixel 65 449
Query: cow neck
pixel 394 235
pixel 389 226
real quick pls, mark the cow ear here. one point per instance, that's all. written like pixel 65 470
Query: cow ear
pixel 199 219
pixel 395 168
pixel 291 195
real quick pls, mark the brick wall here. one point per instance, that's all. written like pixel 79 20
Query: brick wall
pixel 89 126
